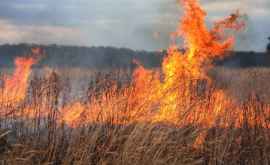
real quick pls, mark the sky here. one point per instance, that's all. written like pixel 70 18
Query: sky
pixel 136 24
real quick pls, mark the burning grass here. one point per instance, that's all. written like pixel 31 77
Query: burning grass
pixel 177 114
pixel 122 134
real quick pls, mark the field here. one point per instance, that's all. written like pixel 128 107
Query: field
pixel 36 139
pixel 187 111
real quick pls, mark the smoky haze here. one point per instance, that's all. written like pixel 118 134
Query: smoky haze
pixel 254 13
pixel 140 24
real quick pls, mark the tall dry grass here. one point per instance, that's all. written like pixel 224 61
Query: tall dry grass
pixel 35 139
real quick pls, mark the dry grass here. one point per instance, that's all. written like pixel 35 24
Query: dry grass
pixel 241 83
pixel 40 140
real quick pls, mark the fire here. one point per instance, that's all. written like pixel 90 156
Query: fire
pixel 72 114
pixel 182 70
pixel 158 95
pixel 166 94
pixel 15 86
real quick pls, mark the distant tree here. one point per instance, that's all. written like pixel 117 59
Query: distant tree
pixel 268 46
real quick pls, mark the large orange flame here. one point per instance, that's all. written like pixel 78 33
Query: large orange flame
pixel 15 86
pixel 14 89
pixel 158 95
pixel 183 69
pixel 165 95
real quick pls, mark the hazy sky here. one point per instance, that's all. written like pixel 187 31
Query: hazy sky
pixel 121 23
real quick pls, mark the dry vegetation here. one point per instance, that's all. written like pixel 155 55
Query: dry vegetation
pixel 39 140
pixel 186 112
pixel 241 83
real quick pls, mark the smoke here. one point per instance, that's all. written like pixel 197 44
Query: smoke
pixel 136 24
pixel 252 38
pixel 157 31
pixel 255 14
pixel 10 33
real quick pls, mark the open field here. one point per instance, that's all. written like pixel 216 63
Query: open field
pixel 38 139
pixel 179 109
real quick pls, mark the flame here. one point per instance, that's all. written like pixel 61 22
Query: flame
pixel 15 86
pixel 155 95
pixel 182 70
pixel 14 89
pixel 166 94
pixel 72 114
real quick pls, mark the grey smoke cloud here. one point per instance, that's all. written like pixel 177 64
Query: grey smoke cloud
pixel 136 24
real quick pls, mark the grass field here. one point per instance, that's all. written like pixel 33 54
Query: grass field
pixel 37 139
pixel 185 112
